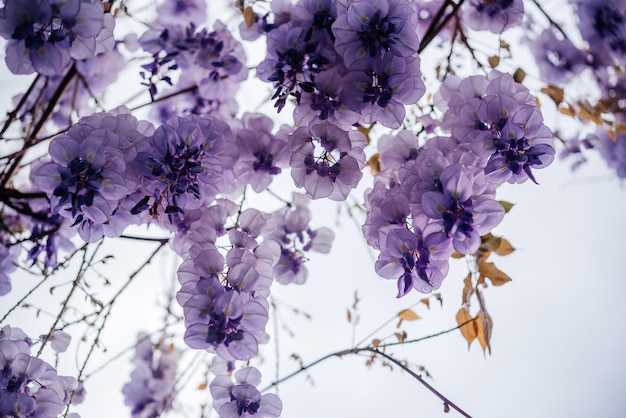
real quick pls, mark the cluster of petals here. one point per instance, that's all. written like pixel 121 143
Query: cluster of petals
pixel 295 237
pixel 46 35
pixel 436 197
pixel 151 389
pixel 86 179
pixel 30 387
pixel 213 61
pixel 499 121
pixel 326 160
pixel 345 62
pixel 224 297
pixel 492 15
pixel 184 164
pixel 242 399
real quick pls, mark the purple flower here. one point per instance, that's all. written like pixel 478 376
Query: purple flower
pixel 335 169
pixel 242 399
pixel 380 93
pixel 262 155
pixel 493 15
pixel 418 261
pixel 460 209
pixel 151 389
pixel 28 385
pixel 183 169
pixel 295 237
pixel 45 35
pixel 603 26
pixel 558 59
pixel 371 30
pixel 88 177
pixel 8 264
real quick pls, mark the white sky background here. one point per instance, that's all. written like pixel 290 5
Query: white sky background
pixel 558 339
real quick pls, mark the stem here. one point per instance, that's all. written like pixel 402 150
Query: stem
pixel 375 350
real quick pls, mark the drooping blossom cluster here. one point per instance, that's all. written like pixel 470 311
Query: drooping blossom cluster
pixel 493 15
pixel 242 399
pixel 326 160
pixel 345 62
pixel 86 179
pixel 30 387
pixel 296 238
pixel 45 35
pixel 433 198
pixel 212 63
pixel 150 391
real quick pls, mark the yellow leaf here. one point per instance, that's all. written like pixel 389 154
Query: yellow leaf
pixel 519 75
pixel 567 110
pixel 375 342
pixel 497 277
pixel 408 315
pixel 248 16
pixel 483 329
pixel 554 92
pixel 493 61
pixel 505 248
pixel 491 242
pixel 457 255
pixel 203 386
pixel 426 302
pixel 468 330
pixel 467 289
pixel 506 205
pixel 374 164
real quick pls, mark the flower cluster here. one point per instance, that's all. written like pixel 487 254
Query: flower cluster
pixel 45 36
pixel 213 62
pixel 242 399
pixel 345 62
pixel 434 198
pixel 224 297
pixel 29 387
pixel 493 15
pixel 183 165
pixel 151 389
pixel 295 237
pixel 86 179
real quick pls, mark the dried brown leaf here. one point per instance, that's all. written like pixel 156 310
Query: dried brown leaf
pixel 493 60
pixel 468 330
pixel 248 16
pixel 555 93
pixel 468 289
pixel 519 75
pixel 483 328
pixel 408 315
pixel 497 276
pixel 426 302
pixel 505 248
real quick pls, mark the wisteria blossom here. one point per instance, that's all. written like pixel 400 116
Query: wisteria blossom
pixel 242 399
pixel 44 36
pixel 326 160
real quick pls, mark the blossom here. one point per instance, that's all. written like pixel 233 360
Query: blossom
pixel 182 168
pixel 151 389
pixel 28 385
pixel 493 15
pixel 336 169
pixel 367 30
pixel 463 213
pixel 45 35
pixel 89 175
pixel 242 399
